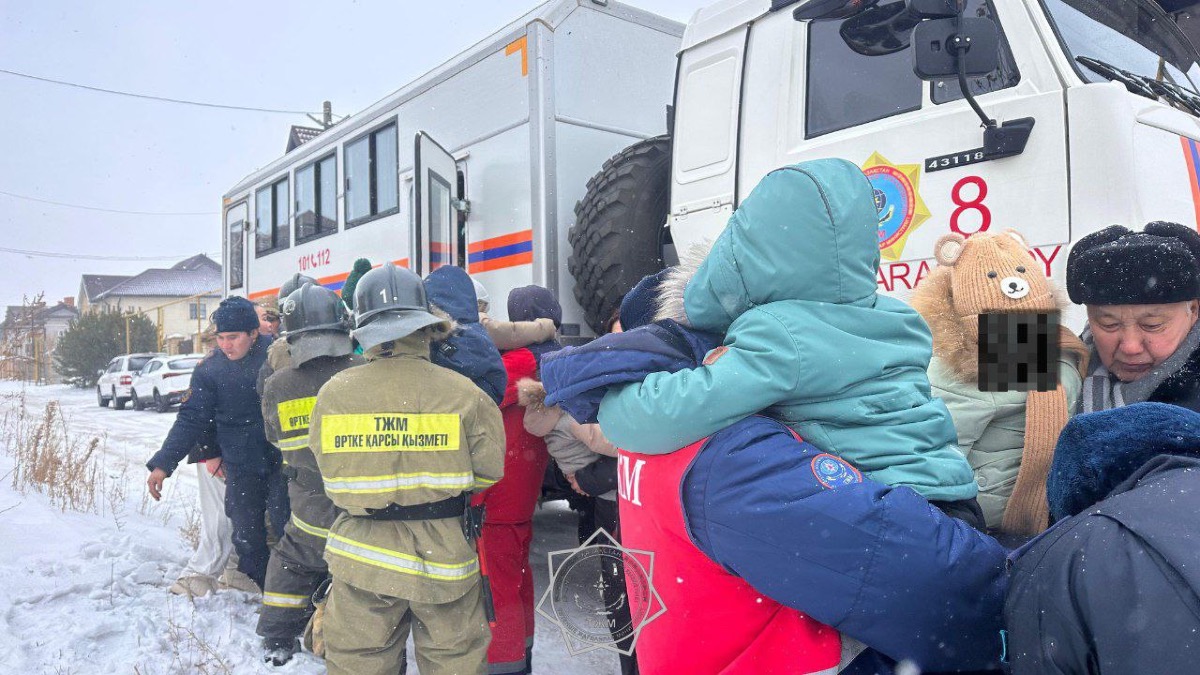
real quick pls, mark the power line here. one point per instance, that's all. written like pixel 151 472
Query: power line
pixel 159 98
pixel 88 256
pixel 97 208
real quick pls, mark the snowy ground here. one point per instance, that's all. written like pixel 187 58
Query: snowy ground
pixel 87 592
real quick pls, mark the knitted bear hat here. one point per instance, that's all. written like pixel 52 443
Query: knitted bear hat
pixel 990 273
pixel 993 273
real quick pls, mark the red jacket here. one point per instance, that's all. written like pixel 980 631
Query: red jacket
pixel 714 622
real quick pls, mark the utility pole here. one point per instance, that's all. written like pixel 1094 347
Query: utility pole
pixel 326 120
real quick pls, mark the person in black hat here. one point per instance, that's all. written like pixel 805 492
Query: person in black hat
pixel 1141 290
pixel 223 390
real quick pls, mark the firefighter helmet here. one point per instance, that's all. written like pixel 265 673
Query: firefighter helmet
pixel 295 283
pixel 315 323
pixel 390 304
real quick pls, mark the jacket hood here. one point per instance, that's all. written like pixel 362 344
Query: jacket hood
pixel 453 292
pixel 1098 451
pixel 806 232
pixel 527 303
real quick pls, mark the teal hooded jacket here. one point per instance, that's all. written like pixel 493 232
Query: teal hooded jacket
pixel 791 284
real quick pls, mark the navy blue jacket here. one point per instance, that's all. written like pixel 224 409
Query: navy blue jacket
pixel 1112 587
pixel 880 564
pixel 223 392
pixel 469 350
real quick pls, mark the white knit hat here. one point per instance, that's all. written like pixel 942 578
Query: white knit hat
pixel 481 293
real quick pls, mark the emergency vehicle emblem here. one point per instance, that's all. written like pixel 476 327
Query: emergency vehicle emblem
pixel 898 200
pixel 833 472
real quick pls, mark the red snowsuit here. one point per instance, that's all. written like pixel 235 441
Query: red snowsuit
pixel 508 528
pixel 715 622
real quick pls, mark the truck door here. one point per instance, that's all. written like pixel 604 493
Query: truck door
pixel 435 199
pixel 236 220
pixel 919 143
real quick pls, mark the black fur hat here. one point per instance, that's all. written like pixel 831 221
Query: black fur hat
pixel 1117 266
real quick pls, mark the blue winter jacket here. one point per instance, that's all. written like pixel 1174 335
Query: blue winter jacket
pixel 791 285
pixel 876 562
pixel 223 392
pixel 1114 587
pixel 468 351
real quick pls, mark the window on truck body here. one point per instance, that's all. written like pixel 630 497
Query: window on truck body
pixel 372 181
pixel 271 218
pixel 316 199
pixel 235 227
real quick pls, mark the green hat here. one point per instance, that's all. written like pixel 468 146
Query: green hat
pixel 361 267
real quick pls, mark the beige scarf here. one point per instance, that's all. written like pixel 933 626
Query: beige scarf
pixel 1046 414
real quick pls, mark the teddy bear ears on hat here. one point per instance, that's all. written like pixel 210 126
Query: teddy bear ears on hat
pixel 949 247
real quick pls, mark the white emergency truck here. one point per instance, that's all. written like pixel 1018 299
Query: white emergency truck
pixel 478 163
pixel 1078 114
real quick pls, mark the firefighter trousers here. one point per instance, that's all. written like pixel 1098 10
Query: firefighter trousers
pixel 297 566
pixel 365 633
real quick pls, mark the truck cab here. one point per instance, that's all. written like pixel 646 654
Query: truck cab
pixel 1111 87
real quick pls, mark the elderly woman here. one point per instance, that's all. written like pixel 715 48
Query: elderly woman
pixel 1141 291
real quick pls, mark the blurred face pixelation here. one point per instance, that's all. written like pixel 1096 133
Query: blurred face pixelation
pixel 1133 339
pixel 236 344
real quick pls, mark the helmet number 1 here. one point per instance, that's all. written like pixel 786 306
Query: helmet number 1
pixel 383 294
pixel 972 204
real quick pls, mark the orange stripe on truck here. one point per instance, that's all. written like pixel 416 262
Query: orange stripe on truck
pixel 330 281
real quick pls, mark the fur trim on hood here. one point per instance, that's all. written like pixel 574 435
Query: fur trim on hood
pixel 531 394
pixel 670 293
pixel 439 332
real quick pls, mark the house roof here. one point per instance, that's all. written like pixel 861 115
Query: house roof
pixel 194 276
pixel 299 135
pixel 35 315
pixel 95 284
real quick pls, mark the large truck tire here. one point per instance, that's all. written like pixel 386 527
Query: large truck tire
pixel 620 227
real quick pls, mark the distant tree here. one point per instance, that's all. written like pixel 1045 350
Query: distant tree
pixel 95 338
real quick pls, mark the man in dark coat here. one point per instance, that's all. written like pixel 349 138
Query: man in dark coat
pixel 1112 587
pixel 223 391
pixel 1141 291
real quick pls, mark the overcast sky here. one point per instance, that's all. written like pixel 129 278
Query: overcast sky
pixel 76 146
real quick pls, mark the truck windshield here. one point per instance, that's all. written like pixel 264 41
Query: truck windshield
pixel 1129 38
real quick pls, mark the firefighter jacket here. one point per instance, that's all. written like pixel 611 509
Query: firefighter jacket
pixel 287 402
pixel 401 430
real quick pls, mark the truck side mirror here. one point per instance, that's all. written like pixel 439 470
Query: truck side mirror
pixel 941 46
pixel 812 10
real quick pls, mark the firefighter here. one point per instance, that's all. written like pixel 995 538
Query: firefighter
pixel 277 355
pixel 401 444
pixel 317 331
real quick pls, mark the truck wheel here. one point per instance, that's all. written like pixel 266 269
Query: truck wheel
pixel 118 402
pixel 100 400
pixel 620 232
pixel 137 400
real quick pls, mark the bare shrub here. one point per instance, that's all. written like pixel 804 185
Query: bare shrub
pixel 190 530
pixel 191 652
pixel 50 459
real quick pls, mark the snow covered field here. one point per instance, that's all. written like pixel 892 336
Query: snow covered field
pixel 87 592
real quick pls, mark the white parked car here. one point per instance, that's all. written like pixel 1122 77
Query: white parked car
pixel 116 381
pixel 163 381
